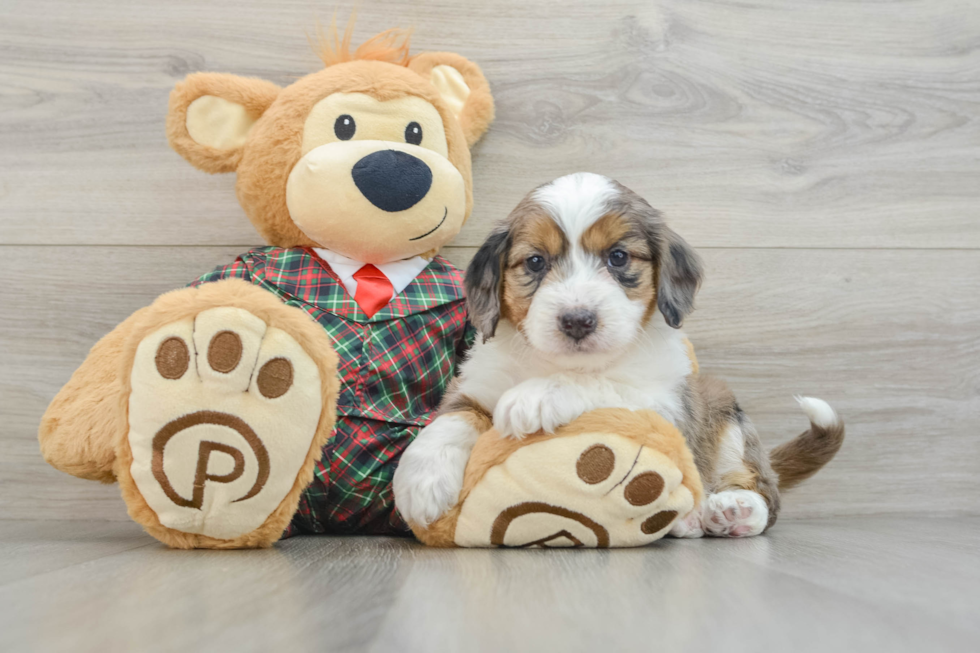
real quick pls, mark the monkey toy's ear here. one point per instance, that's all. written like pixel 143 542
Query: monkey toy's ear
pixel 210 115
pixel 462 87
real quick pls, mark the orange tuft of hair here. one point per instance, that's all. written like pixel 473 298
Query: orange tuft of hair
pixel 390 45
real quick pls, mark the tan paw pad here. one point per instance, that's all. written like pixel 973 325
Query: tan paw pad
pixel 222 414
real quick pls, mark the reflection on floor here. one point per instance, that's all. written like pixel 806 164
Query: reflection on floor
pixel 857 583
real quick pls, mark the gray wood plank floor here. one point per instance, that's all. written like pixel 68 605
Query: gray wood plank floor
pixel 843 584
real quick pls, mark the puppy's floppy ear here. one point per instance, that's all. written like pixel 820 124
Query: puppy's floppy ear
pixel 211 114
pixel 679 276
pixel 484 278
pixel 462 87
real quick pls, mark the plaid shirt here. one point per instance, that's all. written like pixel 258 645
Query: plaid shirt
pixel 394 368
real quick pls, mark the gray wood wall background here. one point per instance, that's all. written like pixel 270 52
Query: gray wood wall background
pixel 823 156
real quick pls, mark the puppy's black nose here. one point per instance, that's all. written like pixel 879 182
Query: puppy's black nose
pixel 392 180
pixel 577 323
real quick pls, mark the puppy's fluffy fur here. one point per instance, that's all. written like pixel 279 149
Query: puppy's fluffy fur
pixel 579 296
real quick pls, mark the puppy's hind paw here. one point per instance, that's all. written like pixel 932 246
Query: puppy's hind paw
pixel 734 513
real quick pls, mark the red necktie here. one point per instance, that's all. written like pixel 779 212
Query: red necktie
pixel 374 291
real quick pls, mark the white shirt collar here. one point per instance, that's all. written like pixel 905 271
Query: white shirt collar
pixel 399 273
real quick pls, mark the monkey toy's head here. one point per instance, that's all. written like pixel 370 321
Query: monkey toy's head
pixel 368 157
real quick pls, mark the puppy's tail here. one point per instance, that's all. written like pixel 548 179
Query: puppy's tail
pixel 803 456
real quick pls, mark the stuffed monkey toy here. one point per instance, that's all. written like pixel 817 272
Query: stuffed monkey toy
pixel 277 392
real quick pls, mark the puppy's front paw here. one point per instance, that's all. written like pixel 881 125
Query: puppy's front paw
pixel 429 477
pixel 532 406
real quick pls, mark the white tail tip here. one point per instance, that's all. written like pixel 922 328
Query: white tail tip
pixel 819 412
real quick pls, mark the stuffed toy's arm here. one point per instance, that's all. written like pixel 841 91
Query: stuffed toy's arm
pixel 79 428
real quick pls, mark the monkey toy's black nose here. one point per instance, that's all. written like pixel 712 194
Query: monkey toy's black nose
pixel 577 323
pixel 392 180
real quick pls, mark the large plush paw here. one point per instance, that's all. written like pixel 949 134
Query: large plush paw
pixel 590 489
pixel 532 406
pixel 731 513
pixel 429 477
pixel 222 413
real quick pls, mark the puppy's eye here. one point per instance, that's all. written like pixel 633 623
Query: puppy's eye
pixel 413 133
pixel 535 263
pixel 618 258
pixel 344 128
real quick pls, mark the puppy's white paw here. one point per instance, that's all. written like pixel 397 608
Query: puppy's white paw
pixel 532 406
pixel 429 477
pixel 734 513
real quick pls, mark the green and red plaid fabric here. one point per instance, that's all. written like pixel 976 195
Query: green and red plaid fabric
pixel 394 368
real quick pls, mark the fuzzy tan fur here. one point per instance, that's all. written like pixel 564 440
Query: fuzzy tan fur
pixel 391 45
pixel 80 427
pixel 255 95
pixel 479 110
pixel 274 143
pixel 643 427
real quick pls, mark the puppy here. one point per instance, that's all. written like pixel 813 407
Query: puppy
pixel 579 296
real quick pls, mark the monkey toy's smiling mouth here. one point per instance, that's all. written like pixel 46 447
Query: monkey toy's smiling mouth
pixel 376 201
pixel 445 212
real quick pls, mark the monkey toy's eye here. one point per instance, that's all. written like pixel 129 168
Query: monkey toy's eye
pixel 535 263
pixel 413 133
pixel 618 258
pixel 344 128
